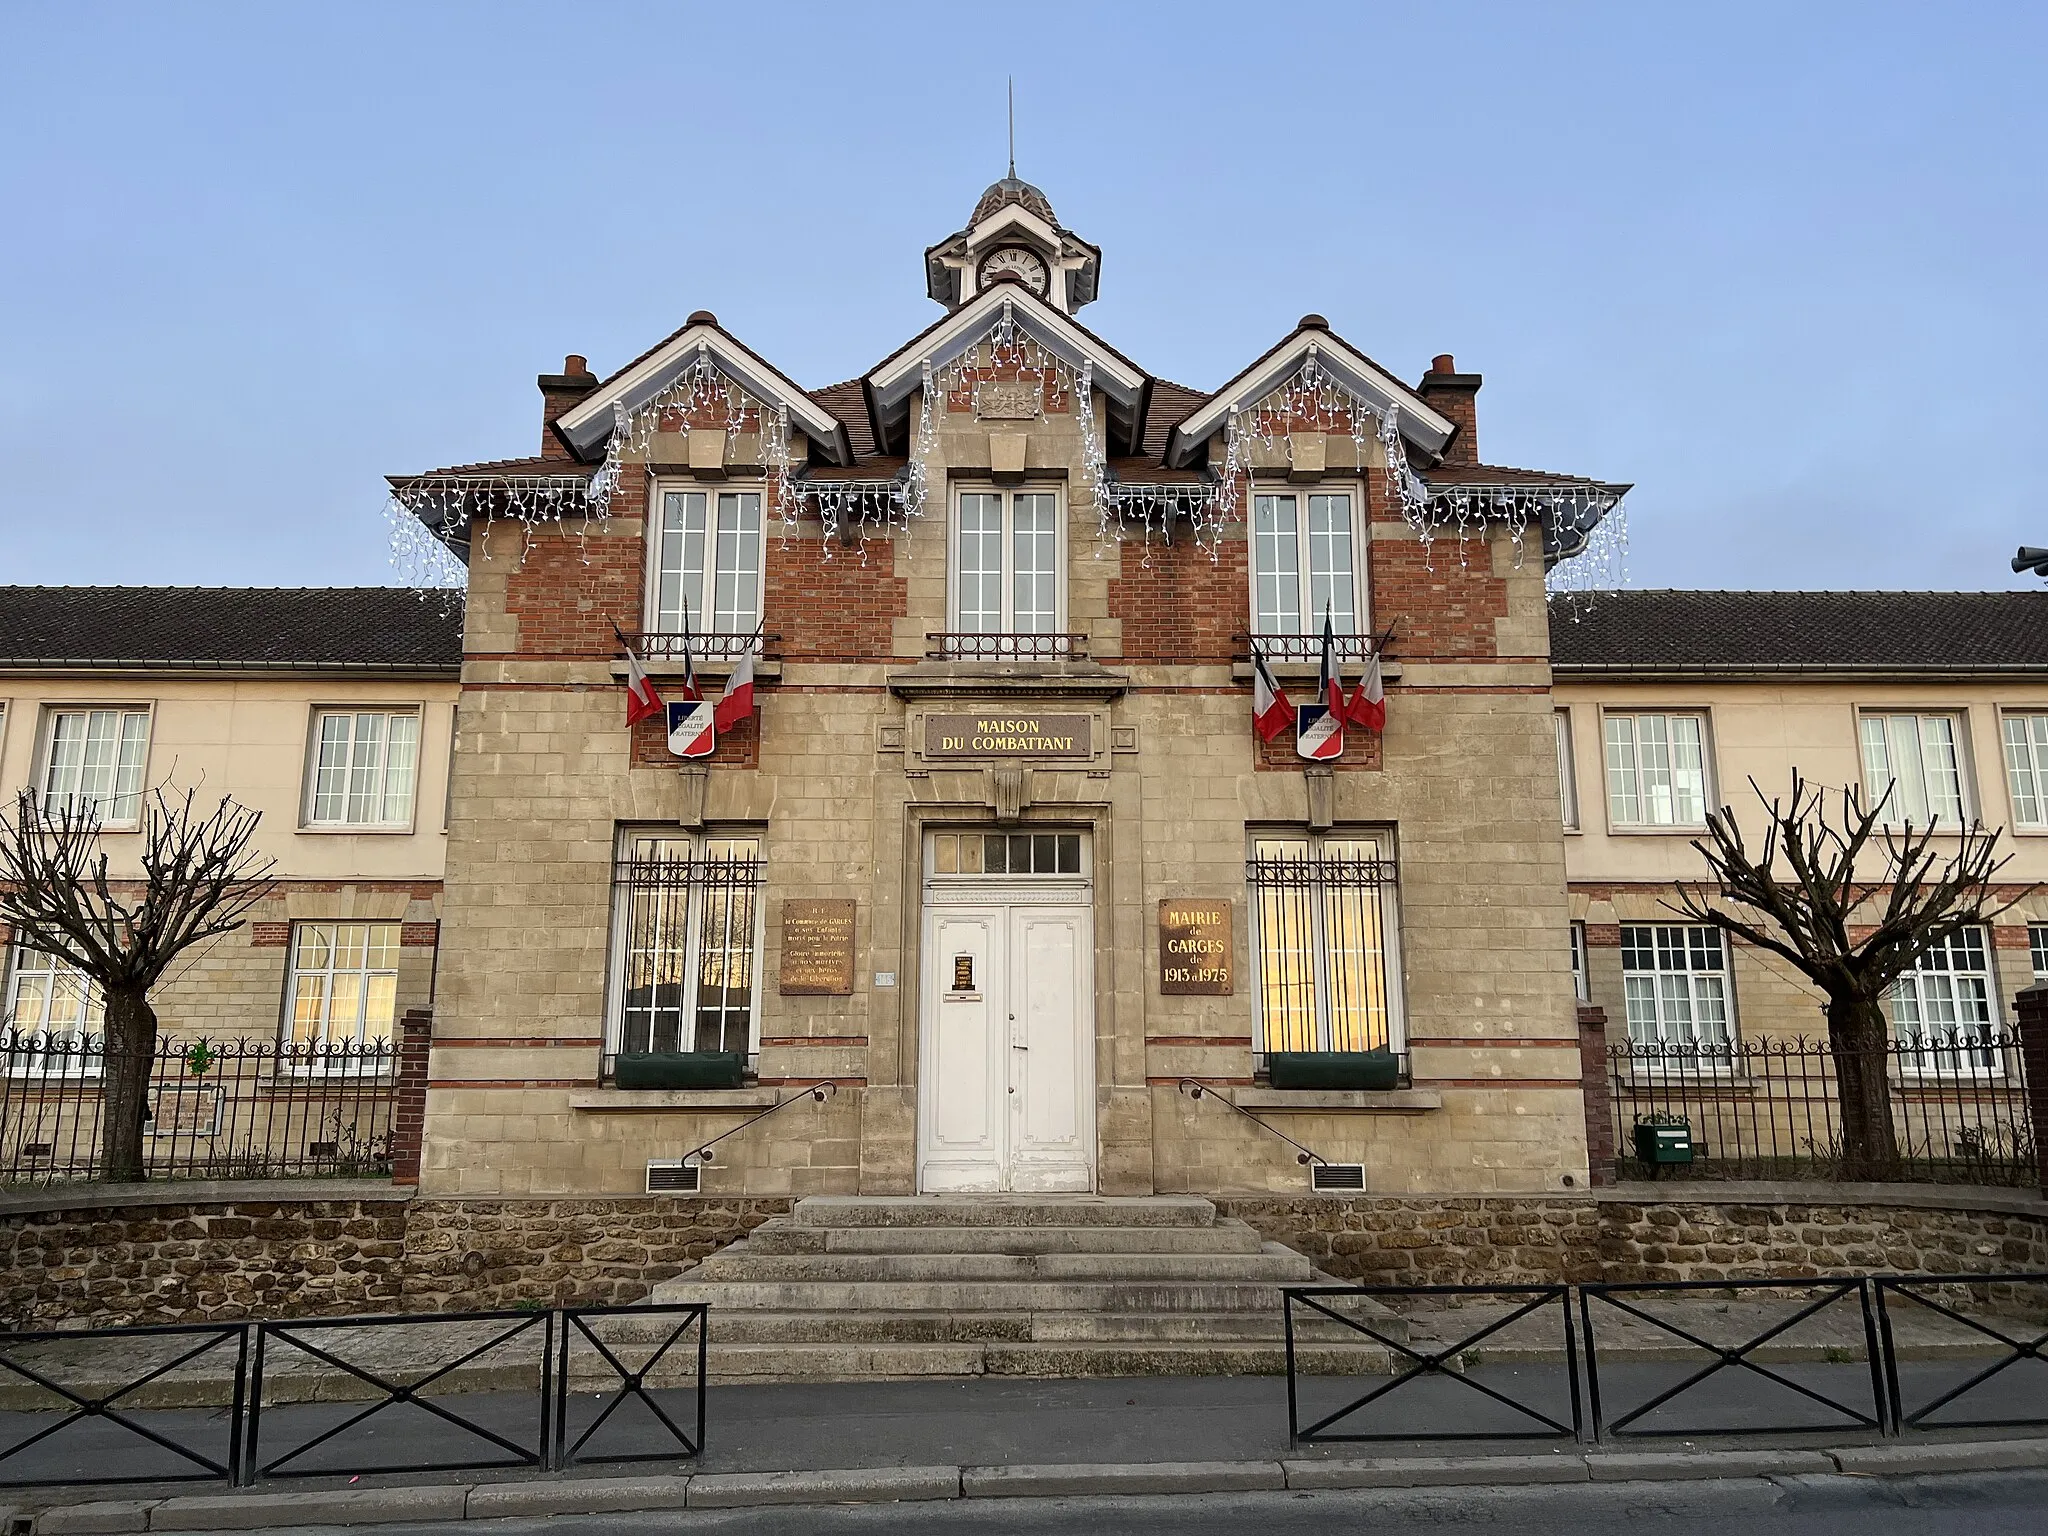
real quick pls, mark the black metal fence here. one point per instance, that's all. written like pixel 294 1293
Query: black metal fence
pixel 241 1403
pixel 1769 1109
pixel 1858 1357
pixel 218 1109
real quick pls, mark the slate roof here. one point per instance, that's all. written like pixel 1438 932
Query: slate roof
pixel 282 628
pixel 1660 632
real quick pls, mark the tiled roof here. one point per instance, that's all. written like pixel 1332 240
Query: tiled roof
pixel 1499 474
pixel 509 469
pixel 1656 632
pixel 1172 404
pixel 849 404
pixel 316 628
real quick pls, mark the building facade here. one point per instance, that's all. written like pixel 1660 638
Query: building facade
pixel 997 851
pixel 327 711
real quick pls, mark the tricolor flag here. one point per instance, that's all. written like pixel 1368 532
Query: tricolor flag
pixel 1319 727
pixel 1270 710
pixel 737 703
pixel 692 724
pixel 641 699
pixel 1367 705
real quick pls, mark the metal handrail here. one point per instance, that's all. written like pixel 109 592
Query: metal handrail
pixel 1303 648
pixel 817 1091
pixel 967 645
pixel 1194 1088
pixel 667 645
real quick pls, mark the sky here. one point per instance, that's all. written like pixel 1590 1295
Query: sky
pixel 1778 266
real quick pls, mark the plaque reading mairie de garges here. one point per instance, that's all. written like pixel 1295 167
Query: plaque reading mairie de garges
pixel 817 948
pixel 1009 733
pixel 1194 948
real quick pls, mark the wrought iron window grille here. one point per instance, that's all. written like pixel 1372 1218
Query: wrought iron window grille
pixel 957 645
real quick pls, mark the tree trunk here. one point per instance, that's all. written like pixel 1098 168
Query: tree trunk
pixel 124 1090
pixel 1861 1039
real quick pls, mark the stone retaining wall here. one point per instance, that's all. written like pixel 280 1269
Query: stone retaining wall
pixel 1547 1239
pixel 221 1259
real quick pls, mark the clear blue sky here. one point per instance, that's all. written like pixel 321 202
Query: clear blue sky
pixel 1779 265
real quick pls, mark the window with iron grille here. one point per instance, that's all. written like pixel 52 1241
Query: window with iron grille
pixel 343 992
pixel 53 1008
pixel 1942 1009
pixel 1326 941
pixel 687 936
pixel 1674 979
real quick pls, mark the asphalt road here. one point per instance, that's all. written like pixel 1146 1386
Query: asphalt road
pixel 1987 1504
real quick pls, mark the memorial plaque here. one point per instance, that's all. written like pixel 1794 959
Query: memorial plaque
pixel 1194 948
pixel 817 948
pixel 1009 733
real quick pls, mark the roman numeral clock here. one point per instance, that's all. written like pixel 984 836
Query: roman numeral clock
pixel 1027 264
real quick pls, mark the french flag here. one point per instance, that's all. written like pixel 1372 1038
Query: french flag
pixel 737 702
pixel 1271 713
pixel 1319 727
pixel 642 702
pixel 1367 706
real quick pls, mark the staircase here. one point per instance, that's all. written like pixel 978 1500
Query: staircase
pixel 865 1287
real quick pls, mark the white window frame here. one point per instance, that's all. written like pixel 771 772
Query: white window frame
pixel 299 1052
pixel 2023 740
pixel 36 1051
pixel 625 850
pixel 705 617
pixel 1617 821
pixel 1958 978
pixel 48 796
pixel 1567 771
pixel 1582 980
pixel 1386 899
pixel 1007 538
pixel 1897 808
pixel 309 818
pixel 2037 949
pixel 1680 989
pixel 1309 620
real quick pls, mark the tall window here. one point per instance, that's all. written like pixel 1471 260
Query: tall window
pixel 365 764
pixel 1942 1011
pixel 1674 980
pixel 1006 566
pixel 1581 982
pixel 687 936
pixel 1305 562
pixel 2026 768
pixel 707 558
pixel 2037 945
pixel 93 761
pixel 51 1010
pixel 1324 921
pixel 1567 772
pixel 1916 759
pixel 343 985
pixel 1656 770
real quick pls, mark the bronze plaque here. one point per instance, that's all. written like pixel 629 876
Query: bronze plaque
pixel 817 948
pixel 1009 733
pixel 1194 948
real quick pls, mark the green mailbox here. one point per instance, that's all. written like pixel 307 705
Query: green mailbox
pixel 1663 1141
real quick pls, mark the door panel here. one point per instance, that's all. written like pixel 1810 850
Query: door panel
pixel 963 1088
pixel 1051 1040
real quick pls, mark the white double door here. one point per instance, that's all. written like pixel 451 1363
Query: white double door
pixel 1006 1082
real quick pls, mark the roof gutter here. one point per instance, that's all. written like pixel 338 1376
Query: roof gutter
pixel 1840 671
pixel 10 665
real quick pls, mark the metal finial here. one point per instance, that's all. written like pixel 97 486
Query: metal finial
pixel 1013 127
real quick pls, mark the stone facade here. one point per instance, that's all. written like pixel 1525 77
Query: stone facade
pixel 833 774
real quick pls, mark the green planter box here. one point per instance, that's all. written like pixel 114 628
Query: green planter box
pixel 1373 1071
pixel 680 1069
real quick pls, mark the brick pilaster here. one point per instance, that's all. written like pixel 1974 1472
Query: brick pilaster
pixel 409 1094
pixel 1594 1088
pixel 2031 1009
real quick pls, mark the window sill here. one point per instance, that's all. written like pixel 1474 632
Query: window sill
pixel 637 1100
pixel 1337 1101
pixel 1300 671
pixel 709 668
pixel 1675 831
pixel 369 829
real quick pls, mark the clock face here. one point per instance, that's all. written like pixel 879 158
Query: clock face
pixel 1014 258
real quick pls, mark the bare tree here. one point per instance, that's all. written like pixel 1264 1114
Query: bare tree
pixel 199 879
pixel 1852 931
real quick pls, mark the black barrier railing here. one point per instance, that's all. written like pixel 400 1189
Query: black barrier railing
pixel 630 1386
pixel 1446 1363
pixel 52 1361
pixel 390 1393
pixel 1658 1396
pixel 1892 1290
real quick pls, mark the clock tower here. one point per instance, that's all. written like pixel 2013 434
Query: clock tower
pixel 1013 234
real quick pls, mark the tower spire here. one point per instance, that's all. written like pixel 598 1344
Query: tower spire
pixel 1013 127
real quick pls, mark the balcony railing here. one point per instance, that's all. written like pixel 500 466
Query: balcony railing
pixel 959 645
pixel 1353 648
pixel 668 645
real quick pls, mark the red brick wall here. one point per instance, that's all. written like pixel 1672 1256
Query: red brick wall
pixel 841 609
pixel 409 1094
pixel 1593 1086
pixel 1177 604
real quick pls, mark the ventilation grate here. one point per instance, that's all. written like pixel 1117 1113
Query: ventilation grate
pixel 1337 1178
pixel 672 1176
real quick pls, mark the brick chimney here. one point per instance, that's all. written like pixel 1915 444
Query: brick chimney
pixel 559 392
pixel 1454 395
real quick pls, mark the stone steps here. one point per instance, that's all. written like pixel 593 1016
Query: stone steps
pixel 857 1287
